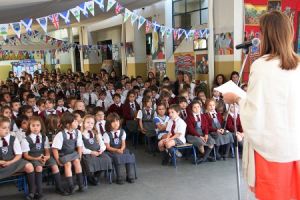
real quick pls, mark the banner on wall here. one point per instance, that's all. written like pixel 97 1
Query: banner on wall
pixel 158 46
pixel 185 62
pixel 202 64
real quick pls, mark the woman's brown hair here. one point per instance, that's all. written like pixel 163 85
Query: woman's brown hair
pixel 277 39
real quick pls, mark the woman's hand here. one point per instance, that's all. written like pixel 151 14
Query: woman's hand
pixel 231 98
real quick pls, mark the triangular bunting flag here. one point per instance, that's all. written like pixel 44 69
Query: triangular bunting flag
pixel 66 17
pixel 180 33
pixel 100 4
pixel 76 12
pixel 43 21
pixel 175 34
pixel 55 20
pixel 156 26
pixel 148 26
pixel 190 34
pixel 110 4
pixel 163 30
pixel 27 23
pixel 118 8
pixel 127 14
pixel 203 33
pixel 91 7
pixel 82 7
pixel 3 30
pixel 196 34
pixel 168 32
pixel 142 20
pixel 134 17
pixel 17 28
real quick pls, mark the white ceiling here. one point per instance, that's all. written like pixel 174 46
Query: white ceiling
pixel 16 10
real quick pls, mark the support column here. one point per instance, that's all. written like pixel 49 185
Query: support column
pixel 72 51
pixel 238 31
pixel 211 53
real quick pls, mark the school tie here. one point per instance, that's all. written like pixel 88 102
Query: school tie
pixel 91 134
pixel 90 99
pixel 115 135
pixel 111 94
pixel 103 104
pixel 101 128
pixel 4 143
pixel 198 118
pixel 71 135
pixel 148 112
pixel 62 110
pixel 214 115
pixel 132 106
pixel 173 128
pixel 37 139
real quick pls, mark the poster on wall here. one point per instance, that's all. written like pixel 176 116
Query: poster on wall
pixel 202 64
pixel 158 46
pixel 253 13
pixel 274 5
pixel 30 66
pixel 129 49
pixel 160 70
pixel 185 62
pixel 224 43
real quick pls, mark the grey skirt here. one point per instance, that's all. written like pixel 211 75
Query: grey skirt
pixel 49 163
pixel 93 164
pixel 13 168
pixel 197 141
pixel 222 139
pixel 132 125
pixel 126 158
pixel 69 157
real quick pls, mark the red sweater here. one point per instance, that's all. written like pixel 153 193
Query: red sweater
pixel 210 121
pixel 116 109
pixel 230 124
pixel 127 110
pixel 191 125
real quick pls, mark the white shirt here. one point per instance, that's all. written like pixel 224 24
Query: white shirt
pixel 180 128
pixel 139 100
pixel 140 113
pixel 61 109
pixel 20 134
pixel 86 135
pixel 109 94
pixel 163 121
pixel 86 97
pixel 106 137
pixel 25 145
pixel 17 147
pixel 98 126
pixel 58 139
pixel 106 101
pixel 270 113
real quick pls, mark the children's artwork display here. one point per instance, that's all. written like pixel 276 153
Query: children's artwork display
pixel 129 49
pixel 185 62
pixel 224 43
pixel 202 64
pixel 30 66
pixel 253 13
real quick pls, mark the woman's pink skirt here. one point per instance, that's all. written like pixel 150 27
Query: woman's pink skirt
pixel 276 181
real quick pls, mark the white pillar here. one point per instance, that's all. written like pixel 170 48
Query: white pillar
pixel 81 42
pixel 72 52
pixel 123 49
pixel 168 23
pixel 238 27
pixel 211 53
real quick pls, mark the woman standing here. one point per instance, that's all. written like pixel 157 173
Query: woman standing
pixel 270 114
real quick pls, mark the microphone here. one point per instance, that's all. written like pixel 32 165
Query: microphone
pixel 254 42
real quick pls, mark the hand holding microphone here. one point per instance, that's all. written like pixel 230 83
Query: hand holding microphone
pixel 254 42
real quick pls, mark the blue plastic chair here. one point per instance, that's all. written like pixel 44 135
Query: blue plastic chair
pixel 183 147
pixel 20 179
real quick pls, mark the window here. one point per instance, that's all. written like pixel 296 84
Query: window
pixel 189 13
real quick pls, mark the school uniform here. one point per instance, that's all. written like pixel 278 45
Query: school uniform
pixel 184 114
pixel 45 113
pixel 115 139
pixel 104 104
pixel 110 94
pixel 91 163
pixel 14 115
pixel 147 117
pixel 215 121
pixel 20 134
pixel 177 126
pixel 100 127
pixel 117 108
pixel 197 126
pixel 161 120
pixel 230 126
pixel 9 148
pixel 90 98
pixel 129 112
pixel 66 142
pixel 35 145
pixel 220 105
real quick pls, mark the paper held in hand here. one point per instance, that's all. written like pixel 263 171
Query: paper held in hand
pixel 230 86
